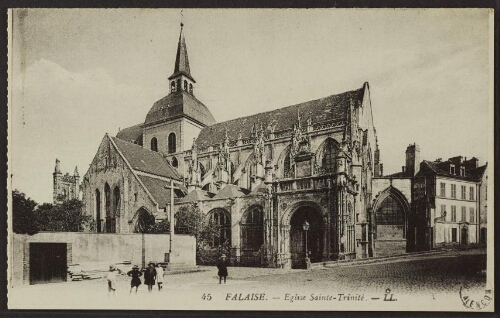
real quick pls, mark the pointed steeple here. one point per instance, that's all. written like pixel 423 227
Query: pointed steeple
pixel 181 59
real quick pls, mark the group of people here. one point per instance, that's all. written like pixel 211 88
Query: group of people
pixel 154 274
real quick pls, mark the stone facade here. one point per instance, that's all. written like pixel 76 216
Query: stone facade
pixel 66 187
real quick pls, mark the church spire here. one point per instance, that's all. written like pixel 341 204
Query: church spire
pixel 181 59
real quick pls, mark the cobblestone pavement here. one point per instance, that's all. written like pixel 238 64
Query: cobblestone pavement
pixel 427 274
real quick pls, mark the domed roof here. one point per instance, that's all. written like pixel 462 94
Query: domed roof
pixel 177 105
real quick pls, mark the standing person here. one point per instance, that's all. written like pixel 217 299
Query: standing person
pixel 222 267
pixel 136 281
pixel 149 276
pixel 159 276
pixel 111 278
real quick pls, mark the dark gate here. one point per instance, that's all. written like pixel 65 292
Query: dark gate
pixel 464 238
pixel 48 263
pixel 298 236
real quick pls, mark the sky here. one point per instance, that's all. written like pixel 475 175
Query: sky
pixel 77 74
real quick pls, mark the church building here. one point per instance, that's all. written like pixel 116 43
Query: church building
pixel 288 187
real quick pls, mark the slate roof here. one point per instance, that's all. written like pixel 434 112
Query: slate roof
pixel 178 104
pixel 130 134
pixel 145 160
pixel 197 195
pixel 231 191
pixel 157 189
pixel 332 108
pixel 397 175
pixel 471 175
pixel 181 59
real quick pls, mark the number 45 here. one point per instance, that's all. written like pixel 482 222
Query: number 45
pixel 206 297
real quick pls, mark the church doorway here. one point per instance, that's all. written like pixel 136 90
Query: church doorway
pixel 298 233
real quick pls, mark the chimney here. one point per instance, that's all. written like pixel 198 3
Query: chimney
pixel 412 159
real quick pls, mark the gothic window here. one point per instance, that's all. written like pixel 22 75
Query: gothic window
pixel 390 219
pixel 172 86
pixel 328 161
pixel 110 218
pixel 144 221
pixel 154 144
pixel 190 88
pixel 252 229
pixel 286 166
pixel 172 148
pixel 175 163
pixel 221 218
pixel 98 210
pixel 116 201
pixel 185 85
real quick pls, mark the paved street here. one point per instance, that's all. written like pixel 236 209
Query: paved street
pixel 428 276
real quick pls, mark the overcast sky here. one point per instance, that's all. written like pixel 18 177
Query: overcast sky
pixel 78 74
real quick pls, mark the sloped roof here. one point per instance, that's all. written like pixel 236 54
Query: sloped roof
pixel 261 188
pixel 231 191
pixel 471 175
pixel 179 104
pixel 130 134
pixel 197 195
pixel 397 175
pixel 157 189
pixel 332 108
pixel 142 159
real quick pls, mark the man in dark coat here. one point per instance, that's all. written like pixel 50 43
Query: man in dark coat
pixel 222 267
pixel 135 273
pixel 150 276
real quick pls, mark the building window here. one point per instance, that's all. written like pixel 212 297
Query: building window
pixel 443 189
pixel 452 169
pixel 453 213
pixel 175 163
pixel 98 210
pixel 463 214
pixel 110 217
pixel 389 213
pixel 172 86
pixel 471 215
pixel 252 234
pixel 462 171
pixel 454 235
pixel 185 86
pixel 443 210
pixel 454 191
pixel 471 193
pixel 464 189
pixel 154 144
pixel 172 147
pixel 286 167
pixel 330 153
pixel 135 197
pixel 221 218
pixel 190 88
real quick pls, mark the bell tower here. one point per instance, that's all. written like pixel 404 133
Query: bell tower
pixel 181 79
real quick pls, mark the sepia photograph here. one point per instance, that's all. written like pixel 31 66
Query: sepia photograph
pixel 251 159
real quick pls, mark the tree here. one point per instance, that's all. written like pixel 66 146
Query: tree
pixel 66 216
pixel 162 227
pixel 190 220
pixel 23 217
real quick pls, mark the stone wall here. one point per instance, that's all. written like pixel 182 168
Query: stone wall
pixel 389 247
pixel 93 247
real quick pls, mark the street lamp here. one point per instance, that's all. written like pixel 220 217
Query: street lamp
pixel 305 226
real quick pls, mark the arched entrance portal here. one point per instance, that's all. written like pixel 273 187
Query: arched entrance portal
pixel 315 235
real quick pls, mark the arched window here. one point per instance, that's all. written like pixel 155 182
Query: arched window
pixel 110 218
pixel 172 148
pixel 221 218
pixel 252 229
pixel 175 163
pixel 98 210
pixel 143 220
pixel 202 170
pixel 154 144
pixel 286 166
pixel 389 219
pixel 116 201
pixel 190 88
pixel 172 86
pixel 185 85
pixel 329 154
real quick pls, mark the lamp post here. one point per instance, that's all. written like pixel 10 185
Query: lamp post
pixel 305 226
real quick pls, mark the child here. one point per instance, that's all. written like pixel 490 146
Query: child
pixel 222 267
pixel 136 281
pixel 159 276
pixel 111 278
pixel 149 276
